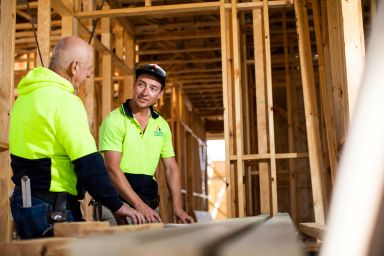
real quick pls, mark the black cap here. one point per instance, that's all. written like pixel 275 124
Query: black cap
pixel 154 70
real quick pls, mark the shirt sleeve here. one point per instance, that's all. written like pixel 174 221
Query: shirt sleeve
pixel 167 149
pixel 72 129
pixel 112 132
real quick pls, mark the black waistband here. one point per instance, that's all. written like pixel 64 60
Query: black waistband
pixel 51 197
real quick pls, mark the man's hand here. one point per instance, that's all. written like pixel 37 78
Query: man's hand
pixel 126 211
pixel 182 216
pixel 150 215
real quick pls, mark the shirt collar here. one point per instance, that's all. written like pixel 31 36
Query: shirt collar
pixel 127 110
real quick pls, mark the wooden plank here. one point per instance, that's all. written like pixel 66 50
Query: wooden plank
pixel 313 230
pixel 118 31
pixel 362 208
pixel 175 9
pixel 238 112
pixel 261 110
pixel 76 229
pixel 172 51
pixel 267 156
pixel 311 114
pixel 89 84
pixel 246 110
pixel 327 105
pixel 354 48
pixel 201 243
pixel 82 229
pixel 338 80
pixel 44 31
pixel 271 125
pixel 33 247
pixel 290 122
pixel 227 118
pixel 7 49
pixel 275 237
pixel 69 25
pixel 152 10
pixel 106 88
pixel 148 2
pixel 169 241
pixel 129 79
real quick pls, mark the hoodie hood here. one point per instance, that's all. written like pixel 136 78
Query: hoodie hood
pixel 42 77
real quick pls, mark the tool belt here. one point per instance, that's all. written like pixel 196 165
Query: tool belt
pixel 60 201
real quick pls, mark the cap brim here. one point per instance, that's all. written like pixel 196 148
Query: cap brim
pixel 152 73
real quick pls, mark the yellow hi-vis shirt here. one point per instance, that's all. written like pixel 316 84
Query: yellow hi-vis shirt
pixel 141 151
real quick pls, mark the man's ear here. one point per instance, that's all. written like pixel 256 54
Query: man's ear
pixel 74 68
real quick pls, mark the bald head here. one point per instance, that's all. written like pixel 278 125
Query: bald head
pixel 70 57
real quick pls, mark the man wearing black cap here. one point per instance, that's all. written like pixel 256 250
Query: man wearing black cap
pixel 133 138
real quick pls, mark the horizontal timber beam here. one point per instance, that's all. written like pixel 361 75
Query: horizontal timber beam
pixel 268 156
pixel 196 8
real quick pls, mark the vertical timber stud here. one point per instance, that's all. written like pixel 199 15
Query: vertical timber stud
pixel 129 60
pixel 226 82
pixel 354 47
pixel 68 22
pixel 290 119
pixel 106 88
pixel 89 84
pixel 246 115
pixel 7 48
pixel 312 122
pixel 238 111
pixel 271 125
pixel 261 101
pixel 325 94
pixel 118 31
pixel 231 111
pixel 337 66
pixel 44 31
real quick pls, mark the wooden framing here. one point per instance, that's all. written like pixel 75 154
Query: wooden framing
pixel 271 129
pixel 7 37
pixel 106 69
pixel 328 108
pixel 308 80
pixel 284 99
pixel 363 150
pixel 44 31
pixel 264 175
pixel 353 33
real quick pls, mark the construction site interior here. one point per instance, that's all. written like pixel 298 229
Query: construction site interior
pixel 270 84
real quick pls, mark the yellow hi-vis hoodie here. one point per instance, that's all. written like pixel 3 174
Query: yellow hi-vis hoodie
pixel 48 130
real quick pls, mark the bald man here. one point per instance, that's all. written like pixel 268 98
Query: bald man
pixel 52 148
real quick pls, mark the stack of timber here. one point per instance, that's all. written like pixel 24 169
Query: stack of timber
pixel 260 235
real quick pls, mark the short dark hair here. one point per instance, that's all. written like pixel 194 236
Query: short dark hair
pixel 154 70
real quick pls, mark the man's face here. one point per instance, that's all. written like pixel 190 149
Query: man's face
pixel 146 91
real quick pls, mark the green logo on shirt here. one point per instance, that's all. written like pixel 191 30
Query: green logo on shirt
pixel 158 132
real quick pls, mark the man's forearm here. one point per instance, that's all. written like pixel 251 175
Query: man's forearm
pixel 174 185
